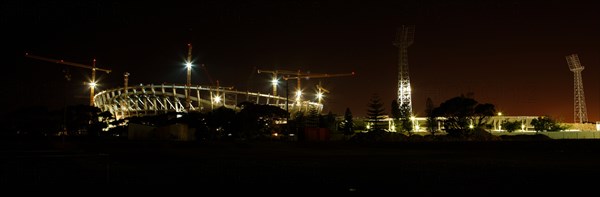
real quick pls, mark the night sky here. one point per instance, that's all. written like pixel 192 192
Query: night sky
pixel 508 53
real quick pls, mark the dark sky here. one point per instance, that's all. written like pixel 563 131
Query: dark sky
pixel 508 53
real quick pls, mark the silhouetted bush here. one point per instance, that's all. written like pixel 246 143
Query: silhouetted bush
pixel 536 137
pixel 482 135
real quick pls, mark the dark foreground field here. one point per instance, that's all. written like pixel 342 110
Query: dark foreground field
pixel 428 168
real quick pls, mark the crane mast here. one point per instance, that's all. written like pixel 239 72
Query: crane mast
pixel 93 67
pixel 320 92
pixel 93 83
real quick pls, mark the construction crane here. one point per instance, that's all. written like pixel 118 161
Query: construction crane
pixel 320 92
pixel 309 76
pixel 275 74
pixel 93 67
pixel 212 83
pixel 207 74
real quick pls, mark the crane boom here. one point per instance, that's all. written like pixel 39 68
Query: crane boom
pixel 66 63
pixel 307 76
pixel 92 67
pixel 287 75
pixel 284 72
pixel 275 78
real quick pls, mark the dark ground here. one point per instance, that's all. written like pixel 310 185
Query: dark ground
pixel 428 168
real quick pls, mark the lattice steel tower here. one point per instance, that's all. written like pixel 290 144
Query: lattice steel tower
pixel 404 38
pixel 576 67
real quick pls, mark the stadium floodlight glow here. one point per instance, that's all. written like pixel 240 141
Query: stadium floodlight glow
pixel 217 99
pixel 319 95
pixel 274 81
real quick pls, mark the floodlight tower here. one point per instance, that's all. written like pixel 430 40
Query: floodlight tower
pixel 404 38
pixel 576 67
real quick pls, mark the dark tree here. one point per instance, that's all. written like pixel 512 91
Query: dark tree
pixel 396 113
pixel 483 112
pixel 312 120
pixel 545 123
pixel 298 125
pixel 348 124
pixel 464 114
pixel 511 126
pixel 82 120
pixel 375 114
pixel 199 121
pixel 32 121
pixel 327 121
pixel 406 122
pixel 220 122
pixel 258 121
pixel 432 124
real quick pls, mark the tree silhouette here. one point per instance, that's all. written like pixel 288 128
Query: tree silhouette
pixel 258 121
pixel 396 114
pixel 327 121
pixel 431 117
pixel 220 122
pixel 406 123
pixel 511 126
pixel 464 114
pixel 545 123
pixel 348 124
pixel 375 113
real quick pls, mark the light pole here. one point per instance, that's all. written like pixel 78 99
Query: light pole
pixel 275 81
pixel 188 64
pixel 287 97
pixel 500 121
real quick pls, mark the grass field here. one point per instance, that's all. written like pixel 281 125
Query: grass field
pixel 428 168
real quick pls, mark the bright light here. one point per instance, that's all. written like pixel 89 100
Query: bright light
pixel 275 134
pixel 412 118
pixel 217 99
pixel 188 65
pixel 471 126
pixel 319 95
pixel 93 84
pixel 298 93
pixel 499 113
pixel 274 82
